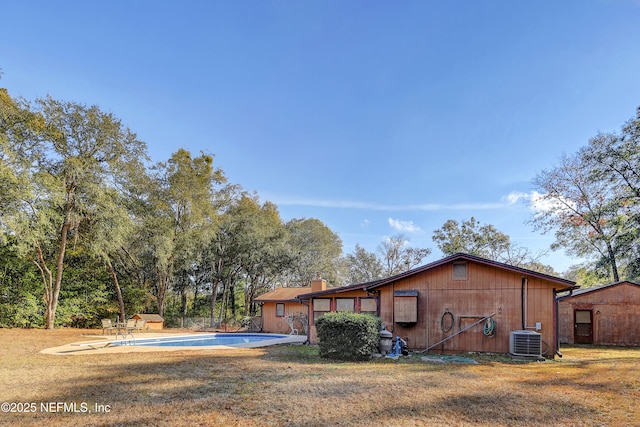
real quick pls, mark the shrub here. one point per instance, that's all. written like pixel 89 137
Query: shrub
pixel 348 336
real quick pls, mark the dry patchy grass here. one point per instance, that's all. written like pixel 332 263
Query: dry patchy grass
pixel 292 386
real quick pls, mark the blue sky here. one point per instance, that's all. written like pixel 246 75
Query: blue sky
pixel 376 117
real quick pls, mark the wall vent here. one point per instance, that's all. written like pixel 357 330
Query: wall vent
pixel 525 343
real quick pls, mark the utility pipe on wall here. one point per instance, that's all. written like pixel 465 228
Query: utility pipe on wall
pixel 523 302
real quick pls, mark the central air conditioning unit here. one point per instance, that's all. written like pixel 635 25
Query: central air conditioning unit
pixel 525 343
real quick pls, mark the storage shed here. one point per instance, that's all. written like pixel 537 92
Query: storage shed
pixel 152 321
pixel 603 315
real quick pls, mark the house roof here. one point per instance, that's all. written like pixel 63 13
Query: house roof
pixel 579 292
pixel 337 290
pixel 299 294
pixel 563 283
pixel 283 294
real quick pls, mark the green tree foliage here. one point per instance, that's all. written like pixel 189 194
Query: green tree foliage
pixel 19 131
pixel 363 266
pixel 69 159
pixel 587 275
pixel 86 295
pixel 394 256
pixel 398 257
pixel 472 238
pixel 314 249
pixel 99 233
pixel 591 201
pixel 615 159
pixel 21 302
pixel 181 218
pixel 486 241
pixel 260 245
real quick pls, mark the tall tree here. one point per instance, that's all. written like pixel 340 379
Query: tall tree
pixel 109 227
pixel 315 249
pixel 79 152
pixel 584 213
pixel 486 241
pixel 472 238
pixel 398 257
pixel 363 266
pixel 20 129
pixel 614 160
pixel 260 246
pixel 183 218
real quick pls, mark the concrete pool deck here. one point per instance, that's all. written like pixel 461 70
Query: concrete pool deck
pixel 100 344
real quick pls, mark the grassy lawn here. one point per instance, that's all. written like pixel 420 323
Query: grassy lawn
pixel 292 386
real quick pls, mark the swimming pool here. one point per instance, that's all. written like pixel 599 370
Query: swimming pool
pixel 172 342
pixel 202 340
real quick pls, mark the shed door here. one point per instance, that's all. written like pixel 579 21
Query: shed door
pixel 583 331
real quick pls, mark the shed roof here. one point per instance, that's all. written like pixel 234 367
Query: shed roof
pixel 579 292
pixel 149 317
pixel 283 294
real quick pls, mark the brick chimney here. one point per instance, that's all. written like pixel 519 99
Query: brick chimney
pixel 318 284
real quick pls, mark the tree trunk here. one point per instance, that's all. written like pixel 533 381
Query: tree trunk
pixel 196 294
pixel 116 284
pixel 614 265
pixel 183 302
pixel 162 288
pixel 223 306
pixel 232 300
pixel 214 296
pixel 47 280
pixel 53 290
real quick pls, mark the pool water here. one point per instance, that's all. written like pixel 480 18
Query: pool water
pixel 201 340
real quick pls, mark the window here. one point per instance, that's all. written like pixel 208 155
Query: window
pixel 346 304
pixel 405 306
pixel 280 309
pixel 320 307
pixel 460 271
pixel 369 306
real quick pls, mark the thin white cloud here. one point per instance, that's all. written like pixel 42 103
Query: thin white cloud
pixel 353 204
pixel 515 196
pixel 365 223
pixel 537 201
pixel 404 226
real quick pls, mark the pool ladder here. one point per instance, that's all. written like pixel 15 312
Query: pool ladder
pixel 125 341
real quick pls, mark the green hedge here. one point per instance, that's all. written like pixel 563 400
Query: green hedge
pixel 348 336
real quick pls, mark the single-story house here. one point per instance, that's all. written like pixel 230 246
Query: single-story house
pixel 602 315
pixel 152 321
pixel 460 303
pixel 277 304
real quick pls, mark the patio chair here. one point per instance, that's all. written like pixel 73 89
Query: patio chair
pixel 140 324
pixel 126 329
pixel 107 326
pixel 131 326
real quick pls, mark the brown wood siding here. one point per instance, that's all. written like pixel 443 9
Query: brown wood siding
pixel 278 325
pixel 358 293
pixel 486 290
pixel 405 308
pixel 616 315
